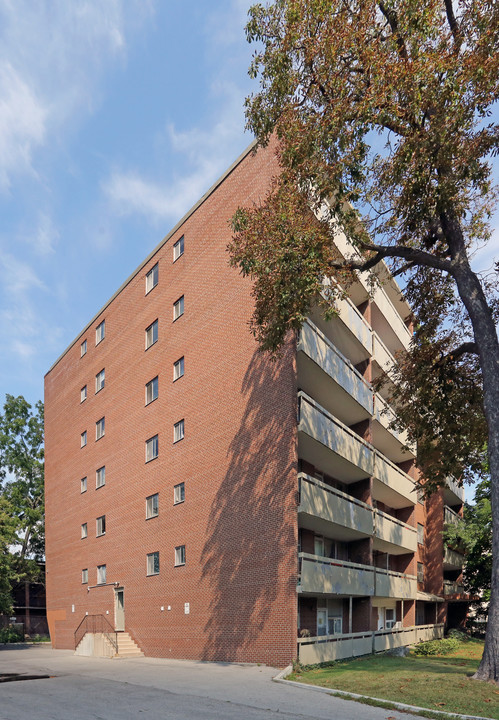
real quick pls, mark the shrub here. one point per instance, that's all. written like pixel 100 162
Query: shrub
pixel 9 635
pixel 437 647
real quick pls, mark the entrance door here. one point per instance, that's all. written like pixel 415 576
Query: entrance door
pixel 119 608
pixel 321 622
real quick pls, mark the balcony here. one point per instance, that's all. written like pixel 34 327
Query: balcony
pixel 453 493
pixel 348 330
pixel 453 588
pixel 391 442
pixel 451 517
pixel 393 536
pixel 325 373
pixel 319 575
pixel 392 485
pixel 333 513
pixel 453 560
pixel 388 324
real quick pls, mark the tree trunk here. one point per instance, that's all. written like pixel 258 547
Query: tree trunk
pixel 472 295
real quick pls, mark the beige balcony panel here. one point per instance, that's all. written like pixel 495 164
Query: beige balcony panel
pixel 389 639
pixel 390 475
pixel 450 517
pixel 453 493
pixel 452 559
pixel 335 577
pixel 315 650
pixel 391 584
pixel 383 356
pixel 429 632
pixel 354 321
pixel 392 317
pixel 330 432
pixel 392 531
pixel 320 501
pixel 319 349
pixel 453 588
pixel 384 415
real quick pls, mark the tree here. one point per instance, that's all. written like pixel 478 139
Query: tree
pixel 381 109
pixel 21 494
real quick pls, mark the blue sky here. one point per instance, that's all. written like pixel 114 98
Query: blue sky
pixel 115 117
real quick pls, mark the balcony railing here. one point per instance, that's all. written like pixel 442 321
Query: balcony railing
pixel 451 517
pixel 395 531
pixel 456 489
pixel 453 588
pixel 355 322
pixel 453 558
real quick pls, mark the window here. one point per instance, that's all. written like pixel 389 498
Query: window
pixel 420 492
pixel 84 531
pixel 178 308
pixel 83 393
pixel 152 506
pixel 178 369
pixel 83 348
pixel 178 431
pixel 389 618
pixel 84 576
pixel 420 572
pixel 100 525
pixel 178 248
pixel 152 278
pixel 100 332
pixel 152 448
pixel 152 390
pixel 152 334
pixel 100 428
pixel 100 477
pixel 153 563
pixel 83 438
pixel 83 485
pixel 101 574
pixel 100 380
pixel 420 534
pixel 180 555
pixel 179 493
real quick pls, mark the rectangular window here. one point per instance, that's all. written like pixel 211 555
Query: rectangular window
pixel 178 308
pixel 153 563
pixel 100 332
pixel 420 534
pixel 152 334
pixel 152 506
pixel 83 485
pixel 178 248
pixel 389 618
pixel 178 431
pixel 100 523
pixel 100 428
pixel 178 369
pixel 152 448
pixel 152 278
pixel 83 348
pixel 152 390
pixel 100 380
pixel 179 493
pixel 84 531
pixel 101 574
pixel 84 576
pixel 180 555
pixel 83 393
pixel 420 572
pixel 420 493
pixel 100 477
pixel 83 438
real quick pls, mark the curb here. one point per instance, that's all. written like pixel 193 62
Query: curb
pixel 281 678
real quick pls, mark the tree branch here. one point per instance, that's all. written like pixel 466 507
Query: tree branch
pixel 453 24
pixel 466 348
pixel 412 255
pixel 391 16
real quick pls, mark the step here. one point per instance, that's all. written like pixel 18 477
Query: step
pixel 127 647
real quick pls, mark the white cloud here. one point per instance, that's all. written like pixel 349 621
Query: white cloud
pixel 44 239
pixel 17 276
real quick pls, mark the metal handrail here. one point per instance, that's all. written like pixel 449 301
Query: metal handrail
pixel 96 624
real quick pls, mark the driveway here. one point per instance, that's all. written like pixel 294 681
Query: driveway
pixel 85 688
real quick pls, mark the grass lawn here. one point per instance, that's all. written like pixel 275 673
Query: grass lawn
pixel 434 682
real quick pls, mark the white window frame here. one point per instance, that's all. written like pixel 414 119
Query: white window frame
pixel 152 390
pixel 178 248
pixel 84 531
pixel 178 368
pixel 152 278
pixel 179 493
pixel 152 448
pixel 151 330
pixel 100 526
pixel 151 568
pixel 83 394
pixel 152 506
pixel 420 531
pixel 101 574
pixel 83 439
pixel 178 308
pixel 83 485
pixel 180 555
pixel 84 576
pixel 100 428
pixel 100 477
pixel 100 332
pixel 178 431
pixel 100 380
pixel 390 623
pixel 83 348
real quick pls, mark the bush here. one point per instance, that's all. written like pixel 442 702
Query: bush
pixel 458 635
pixel 437 647
pixel 9 635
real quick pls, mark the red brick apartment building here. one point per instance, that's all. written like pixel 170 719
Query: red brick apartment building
pixel 207 503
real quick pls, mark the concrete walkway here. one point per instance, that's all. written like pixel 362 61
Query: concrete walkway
pixel 107 689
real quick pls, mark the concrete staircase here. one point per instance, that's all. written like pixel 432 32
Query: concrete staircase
pixel 127 647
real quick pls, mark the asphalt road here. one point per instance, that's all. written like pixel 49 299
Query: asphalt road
pixel 86 688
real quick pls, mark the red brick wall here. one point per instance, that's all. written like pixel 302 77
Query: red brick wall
pixel 238 458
